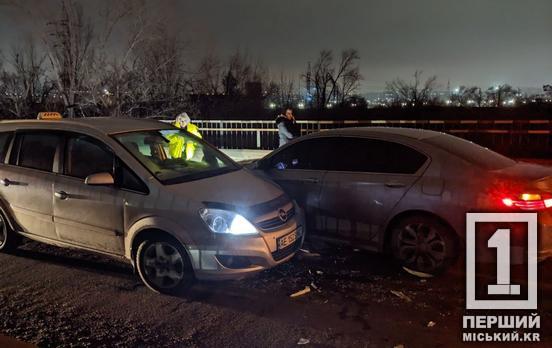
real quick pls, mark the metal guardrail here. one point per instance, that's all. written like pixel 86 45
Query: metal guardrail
pixel 513 137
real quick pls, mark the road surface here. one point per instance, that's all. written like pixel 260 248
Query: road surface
pixel 61 298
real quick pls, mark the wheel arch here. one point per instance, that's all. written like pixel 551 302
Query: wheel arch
pixel 8 216
pixel 150 227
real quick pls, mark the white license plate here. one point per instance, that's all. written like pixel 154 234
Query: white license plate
pixel 287 240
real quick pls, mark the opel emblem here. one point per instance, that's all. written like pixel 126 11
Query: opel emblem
pixel 282 215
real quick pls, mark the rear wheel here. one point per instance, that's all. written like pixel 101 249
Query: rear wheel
pixel 163 265
pixel 9 240
pixel 424 244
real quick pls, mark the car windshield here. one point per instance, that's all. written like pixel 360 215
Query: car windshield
pixel 471 152
pixel 175 156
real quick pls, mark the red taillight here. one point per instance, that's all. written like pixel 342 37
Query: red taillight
pixel 527 201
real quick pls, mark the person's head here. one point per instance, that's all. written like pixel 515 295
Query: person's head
pixel 289 114
pixel 182 120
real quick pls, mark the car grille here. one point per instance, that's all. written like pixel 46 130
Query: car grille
pixel 276 222
pixel 283 253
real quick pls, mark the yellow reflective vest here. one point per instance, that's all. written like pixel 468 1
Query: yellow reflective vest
pixel 177 143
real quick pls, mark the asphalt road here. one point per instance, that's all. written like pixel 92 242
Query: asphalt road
pixel 62 298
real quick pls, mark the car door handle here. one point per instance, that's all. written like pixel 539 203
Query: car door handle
pixel 61 195
pixel 311 180
pixel 394 184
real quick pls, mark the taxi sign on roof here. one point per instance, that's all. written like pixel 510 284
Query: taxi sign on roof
pixel 49 116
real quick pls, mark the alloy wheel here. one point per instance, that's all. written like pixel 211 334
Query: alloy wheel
pixel 421 246
pixel 163 265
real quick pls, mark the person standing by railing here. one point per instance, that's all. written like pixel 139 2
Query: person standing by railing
pixel 287 128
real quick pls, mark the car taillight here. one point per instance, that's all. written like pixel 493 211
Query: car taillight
pixel 528 201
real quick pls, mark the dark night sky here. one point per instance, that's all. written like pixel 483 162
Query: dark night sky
pixel 479 42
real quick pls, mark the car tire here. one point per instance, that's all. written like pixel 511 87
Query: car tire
pixel 9 239
pixel 424 244
pixel 163 265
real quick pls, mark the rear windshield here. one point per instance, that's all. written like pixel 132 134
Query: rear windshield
pixel 471 152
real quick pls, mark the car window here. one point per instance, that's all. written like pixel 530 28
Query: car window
pixel 4 144
pixel 174 156
pixel 38 150
pixel 471 152
pixel 126 179
pixel 313 154
pixel 85 156
pixel 377 156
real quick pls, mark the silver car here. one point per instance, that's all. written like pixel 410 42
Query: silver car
pixel 405 191
pixel 144 191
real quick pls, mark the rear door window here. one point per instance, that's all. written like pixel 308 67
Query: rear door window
pixel 85 156
pixel 37 150
pixel 376 156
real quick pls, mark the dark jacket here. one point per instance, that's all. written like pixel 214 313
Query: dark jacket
pixel 287 130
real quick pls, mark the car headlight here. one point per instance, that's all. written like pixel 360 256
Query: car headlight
pixel 224 221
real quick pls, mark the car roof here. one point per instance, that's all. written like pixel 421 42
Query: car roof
pixel 106 125
pixel 413 133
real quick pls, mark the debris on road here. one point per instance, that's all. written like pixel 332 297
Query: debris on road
pixel 303 341
pixel 309 253
pixel 305 291
pixel 431 324
pixel 401 295
pixel 312 285
pixel 417 273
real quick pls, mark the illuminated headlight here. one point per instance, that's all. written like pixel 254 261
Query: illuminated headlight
pixel 224 221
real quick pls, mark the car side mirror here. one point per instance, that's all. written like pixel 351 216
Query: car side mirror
pixel 99 179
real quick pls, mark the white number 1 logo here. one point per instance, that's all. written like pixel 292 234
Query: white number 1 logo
pixel 501 241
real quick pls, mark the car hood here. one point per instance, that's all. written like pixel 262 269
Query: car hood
pixel 238 188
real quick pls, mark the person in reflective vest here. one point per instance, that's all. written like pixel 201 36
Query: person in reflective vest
pixel 177 143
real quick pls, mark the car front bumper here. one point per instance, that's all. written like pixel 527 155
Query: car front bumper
pixel 236 257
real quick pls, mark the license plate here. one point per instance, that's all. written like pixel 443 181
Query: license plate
pixel 287 240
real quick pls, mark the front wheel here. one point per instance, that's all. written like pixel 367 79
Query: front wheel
pixel 9 240
pixel 424 244
pixel 163 265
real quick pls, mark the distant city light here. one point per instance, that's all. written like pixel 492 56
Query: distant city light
pixel 272 105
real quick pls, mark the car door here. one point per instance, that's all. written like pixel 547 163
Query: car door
pixel 26 181
pixel 91 216
pixel 364 185
pixel 294 169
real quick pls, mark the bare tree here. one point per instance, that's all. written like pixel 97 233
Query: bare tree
pixel 282 91
pixel 208 78
pixel 500 95
pixel 26 87
pixel 415 93
pixel 69 42
pixel 113 90
pixel 322 78
pixel 347 77
pixel 468 96
pixel 334 83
